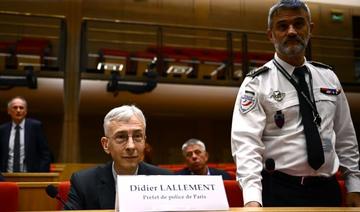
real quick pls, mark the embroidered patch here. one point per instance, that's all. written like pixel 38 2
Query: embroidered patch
pixel 330 91
pixel 247 102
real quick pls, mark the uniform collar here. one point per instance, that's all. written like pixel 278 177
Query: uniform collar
pixel 289 68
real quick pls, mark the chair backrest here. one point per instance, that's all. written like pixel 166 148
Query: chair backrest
pixel 63 188
pixel 9 193
pixel 233 193
pixel 343 192
pixel 232 174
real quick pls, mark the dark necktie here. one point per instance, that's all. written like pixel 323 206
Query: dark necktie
pixel 313 141
pixel 16 165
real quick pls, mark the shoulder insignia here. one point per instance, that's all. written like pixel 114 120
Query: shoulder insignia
pixel 321 65
pixel 257 71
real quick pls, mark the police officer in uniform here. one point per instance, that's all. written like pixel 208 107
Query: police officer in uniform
pixel 291 128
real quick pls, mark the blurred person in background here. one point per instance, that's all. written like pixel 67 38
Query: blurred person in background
pixel 196 158
pixel 23 145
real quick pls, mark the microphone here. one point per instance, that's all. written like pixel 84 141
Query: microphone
pixel 53 192
pixel 270 165
pixel 152 65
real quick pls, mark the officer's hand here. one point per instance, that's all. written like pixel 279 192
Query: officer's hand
pixel 353 199
pixel 252 204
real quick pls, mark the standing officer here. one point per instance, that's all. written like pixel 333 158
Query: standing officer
pixel 292 116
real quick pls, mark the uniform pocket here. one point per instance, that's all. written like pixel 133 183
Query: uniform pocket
pixel 290 99
pixel 319 96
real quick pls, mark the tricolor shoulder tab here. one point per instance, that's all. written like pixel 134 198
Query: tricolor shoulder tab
pixel 258 71
pixel 321 65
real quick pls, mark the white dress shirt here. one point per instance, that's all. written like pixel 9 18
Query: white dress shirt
pixel 22 147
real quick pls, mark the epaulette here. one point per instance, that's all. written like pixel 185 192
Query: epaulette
pixel 258 71
pixel 321 65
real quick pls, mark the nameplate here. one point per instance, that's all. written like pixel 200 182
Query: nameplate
pixel 170 193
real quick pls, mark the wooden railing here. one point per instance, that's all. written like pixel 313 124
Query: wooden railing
pixel 239 47
pixel 37 40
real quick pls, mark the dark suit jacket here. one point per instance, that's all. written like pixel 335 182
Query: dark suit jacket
pixel 213 171
pixel 95 188
pixel 37 154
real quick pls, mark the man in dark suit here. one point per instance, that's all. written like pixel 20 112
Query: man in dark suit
pixel 124 141
pixel 196 158
pixel 23 145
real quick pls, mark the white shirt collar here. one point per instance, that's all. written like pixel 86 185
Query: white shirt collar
pixel 289 68
pixel 115 174
pixel 207 173
pixel 22 124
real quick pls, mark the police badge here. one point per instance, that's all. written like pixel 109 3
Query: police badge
pixel 279 119
pixel 278 96
pixel 247 101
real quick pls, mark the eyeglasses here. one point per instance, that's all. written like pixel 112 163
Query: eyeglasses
pixel 122 138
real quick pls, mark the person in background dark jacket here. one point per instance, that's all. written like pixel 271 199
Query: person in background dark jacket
pixel 1 177
pixel 196 158
pixel 124 140
pixel 34 154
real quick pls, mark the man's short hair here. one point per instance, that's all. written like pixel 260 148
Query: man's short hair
pixel 17 97
pixel 193 141
pixel 123 113
pixel 287 4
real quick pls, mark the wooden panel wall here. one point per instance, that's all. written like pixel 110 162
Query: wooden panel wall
pixel 165 133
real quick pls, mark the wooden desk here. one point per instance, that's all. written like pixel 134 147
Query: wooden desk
pixel 32 196
pixel 57 167
pixel 31 177
pixel 281 209
pixel 70 168
pixel 297 209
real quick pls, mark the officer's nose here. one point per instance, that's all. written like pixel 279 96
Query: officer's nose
pixel 292 30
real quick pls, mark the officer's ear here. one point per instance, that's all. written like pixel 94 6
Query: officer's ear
pixel 105 144
pixel 270 35
pixel 311 27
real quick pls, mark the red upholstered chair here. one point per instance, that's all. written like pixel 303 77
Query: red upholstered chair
pixel 338 175
pixel 233 193
pixel 31 52
pixel 232 174
pixel 63 188
pixel 7 58
pixel 113 60
pixel 343 192
pixel 9 192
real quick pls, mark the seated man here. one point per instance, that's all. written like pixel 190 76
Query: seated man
pixel 124 140
pixel 196 157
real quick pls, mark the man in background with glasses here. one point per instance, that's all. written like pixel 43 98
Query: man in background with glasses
pixel 124 141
